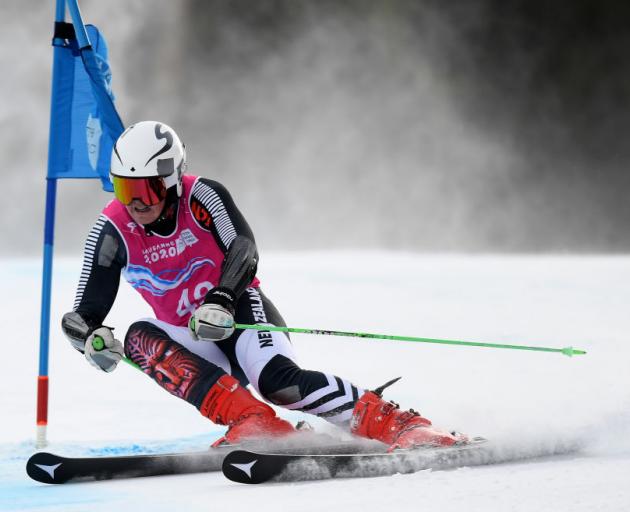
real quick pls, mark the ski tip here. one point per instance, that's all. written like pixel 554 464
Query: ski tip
pixel 240 466
pixel 247 467
pixel 46 468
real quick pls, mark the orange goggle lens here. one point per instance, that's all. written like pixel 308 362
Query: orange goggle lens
pixel 148 190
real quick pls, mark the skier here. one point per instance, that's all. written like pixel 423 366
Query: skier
pixel 181 242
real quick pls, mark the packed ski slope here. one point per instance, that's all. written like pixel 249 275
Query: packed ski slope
pixel 530 402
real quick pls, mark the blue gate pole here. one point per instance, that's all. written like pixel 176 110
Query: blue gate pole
pixel 77 21
pixel 44 333
pixel 49 235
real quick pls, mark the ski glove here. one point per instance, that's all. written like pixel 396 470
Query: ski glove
pixel 102 350
pixel 214 319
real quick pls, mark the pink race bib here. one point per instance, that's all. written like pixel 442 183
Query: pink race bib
pixel 172 273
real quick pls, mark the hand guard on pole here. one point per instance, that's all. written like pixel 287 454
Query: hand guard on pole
pixel 102 350
pixel 214 319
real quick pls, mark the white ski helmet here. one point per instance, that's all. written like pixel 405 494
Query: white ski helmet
pixel 149 149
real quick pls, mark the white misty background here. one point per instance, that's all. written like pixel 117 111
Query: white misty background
pixel 343 124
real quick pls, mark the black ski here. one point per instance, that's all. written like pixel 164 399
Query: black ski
pixel 253 468
pixel 53 469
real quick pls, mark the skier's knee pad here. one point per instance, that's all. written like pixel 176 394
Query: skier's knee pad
pixel 170 364
pixel 145 342
pixel 282 382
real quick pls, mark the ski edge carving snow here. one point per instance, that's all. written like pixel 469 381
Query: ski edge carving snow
pixel 252 467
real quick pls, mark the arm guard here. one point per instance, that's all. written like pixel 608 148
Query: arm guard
pixel 77 329
pixel 239 266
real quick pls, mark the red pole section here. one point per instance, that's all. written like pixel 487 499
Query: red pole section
pixel 42 409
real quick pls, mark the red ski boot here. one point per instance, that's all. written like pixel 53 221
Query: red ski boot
pixel 375 418
pixel 229 403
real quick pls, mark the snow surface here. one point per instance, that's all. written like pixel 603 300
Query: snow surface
pixel 531 402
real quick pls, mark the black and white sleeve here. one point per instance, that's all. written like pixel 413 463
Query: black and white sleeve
pixel 104 257
pixel 214 209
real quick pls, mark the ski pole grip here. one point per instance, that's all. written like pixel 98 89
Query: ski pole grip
pixel 98 343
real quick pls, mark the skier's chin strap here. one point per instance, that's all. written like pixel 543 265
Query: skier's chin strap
pixel 167 221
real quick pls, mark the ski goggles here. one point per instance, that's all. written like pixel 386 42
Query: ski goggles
pixel 148 190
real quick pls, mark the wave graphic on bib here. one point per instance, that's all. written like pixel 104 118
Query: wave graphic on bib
pixel 141 278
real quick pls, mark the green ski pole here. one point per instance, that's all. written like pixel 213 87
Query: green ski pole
pixel 567 351
pixel 131 363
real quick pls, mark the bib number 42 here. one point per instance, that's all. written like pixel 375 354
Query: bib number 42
pixel 185 306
